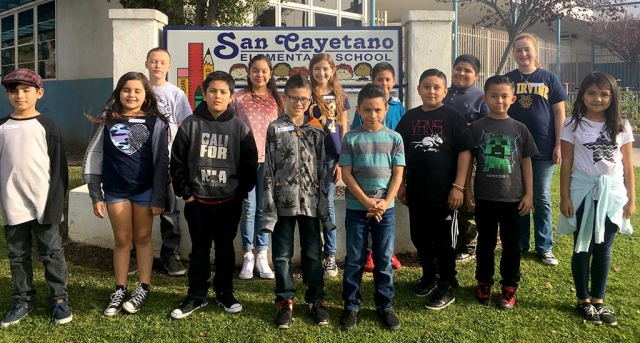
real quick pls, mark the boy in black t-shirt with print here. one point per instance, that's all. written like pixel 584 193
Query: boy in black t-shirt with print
pixel 503 189
pixel 436 144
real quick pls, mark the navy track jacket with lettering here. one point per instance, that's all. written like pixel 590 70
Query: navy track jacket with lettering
pixel 213 159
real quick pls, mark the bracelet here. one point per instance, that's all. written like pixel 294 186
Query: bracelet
pixel 458 187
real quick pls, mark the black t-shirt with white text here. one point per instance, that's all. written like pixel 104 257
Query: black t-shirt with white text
pixel 432 141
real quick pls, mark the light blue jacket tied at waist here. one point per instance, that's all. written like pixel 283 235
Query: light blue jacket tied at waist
pixel 610 193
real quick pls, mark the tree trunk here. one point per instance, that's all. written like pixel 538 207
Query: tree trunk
pixel 212 13
pixel 634 76
pixel 505 55
pixel 200 9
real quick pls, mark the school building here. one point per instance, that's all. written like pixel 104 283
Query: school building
pixel 70 43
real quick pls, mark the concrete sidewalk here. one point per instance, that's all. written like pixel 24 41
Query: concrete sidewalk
pixel 636 157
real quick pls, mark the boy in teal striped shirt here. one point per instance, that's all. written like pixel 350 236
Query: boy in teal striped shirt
pixel 372 162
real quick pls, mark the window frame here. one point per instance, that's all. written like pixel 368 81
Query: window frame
pixel 312 10
pixel 33 6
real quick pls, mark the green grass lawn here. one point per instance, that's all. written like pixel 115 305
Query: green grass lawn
pixel 544 311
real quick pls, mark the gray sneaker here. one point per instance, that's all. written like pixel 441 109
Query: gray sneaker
pixel 61 312
pixel 133 268
pixel 548 258
pixel 173 266
pixel 17 312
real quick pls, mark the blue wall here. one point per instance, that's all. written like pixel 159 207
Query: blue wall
pixel 66 102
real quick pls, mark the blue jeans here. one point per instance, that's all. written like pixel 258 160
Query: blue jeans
pixel 330 235
pixel 49 242
pixel 310 245
pixel 543 231
pixel 357 227
pixel 251 219
pixel 600 257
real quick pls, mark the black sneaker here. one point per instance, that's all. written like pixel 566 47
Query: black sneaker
pixel 61 312
pixel 318 313
pixel 137 299
pixel 424 289
pixel 441 298
pixel 187 306
pixel 229 302
pixel 173 266
pixel 133 267
pixel 17 312
pixel 117 300
pixel 283 315
pixel 349 320
pixel 389 320
pixel 588 313
pixel 606 315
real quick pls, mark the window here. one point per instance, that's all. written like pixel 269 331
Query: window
pixel 291 17
pixel 29 39
pixel 354 6
pixel 330 4
pixel 351 22
pixel 318 13
pixel 326 20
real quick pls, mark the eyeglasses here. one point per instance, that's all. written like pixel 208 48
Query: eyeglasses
pixel 295 100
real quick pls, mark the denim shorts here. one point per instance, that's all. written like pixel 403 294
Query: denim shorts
pixel 141 199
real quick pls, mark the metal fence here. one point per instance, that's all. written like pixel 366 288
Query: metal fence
pixel 577 57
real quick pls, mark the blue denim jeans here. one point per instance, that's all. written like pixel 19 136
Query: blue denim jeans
pixel 600 257
pixel 330 235
pixel 310 250
pixel 543 231
pixel 251 219
pixel 357 227
pixel 49 243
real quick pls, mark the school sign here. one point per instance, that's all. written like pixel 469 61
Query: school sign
pixel 196 52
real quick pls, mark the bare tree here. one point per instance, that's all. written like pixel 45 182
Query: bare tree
pixel 518 16
pixel 622 38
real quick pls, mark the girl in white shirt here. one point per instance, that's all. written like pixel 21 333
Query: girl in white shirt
pixel 597 180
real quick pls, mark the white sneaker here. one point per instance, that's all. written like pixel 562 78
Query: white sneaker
pixel 330 266
pixel 247 266
pixel 262 264
pixel 548 258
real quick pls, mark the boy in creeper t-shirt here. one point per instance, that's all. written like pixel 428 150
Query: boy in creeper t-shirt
pixel 503 190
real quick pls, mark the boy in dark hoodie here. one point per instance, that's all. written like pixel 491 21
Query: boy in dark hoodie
pixel 213 163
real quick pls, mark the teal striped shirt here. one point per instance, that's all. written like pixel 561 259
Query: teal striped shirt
pixel 372 156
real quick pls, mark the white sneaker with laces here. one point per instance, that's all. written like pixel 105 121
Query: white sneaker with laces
pixel 548 258
pixel 330 266
pixel 247 266
pixel 262 264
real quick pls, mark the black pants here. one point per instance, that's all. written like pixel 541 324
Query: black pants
pixel 431 235
pixel 207 223
pixel 490 214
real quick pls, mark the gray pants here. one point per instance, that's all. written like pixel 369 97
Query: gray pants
pixel 169 227
pixel 49 243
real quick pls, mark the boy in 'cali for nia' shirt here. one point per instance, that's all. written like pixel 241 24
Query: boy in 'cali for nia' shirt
pixel 213 164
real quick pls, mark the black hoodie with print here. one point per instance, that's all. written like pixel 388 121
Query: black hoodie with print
pixel 213 158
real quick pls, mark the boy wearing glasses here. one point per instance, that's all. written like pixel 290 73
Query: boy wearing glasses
pixel 296 191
